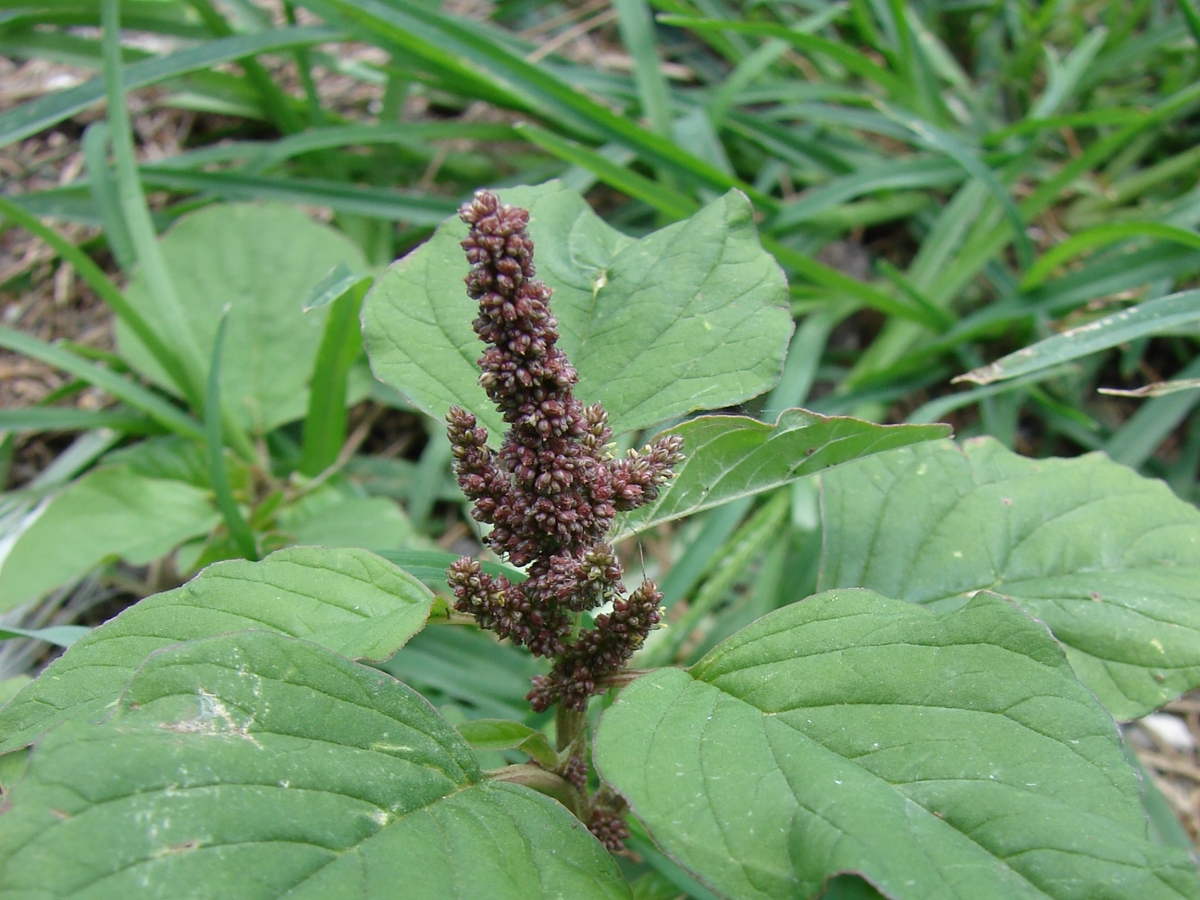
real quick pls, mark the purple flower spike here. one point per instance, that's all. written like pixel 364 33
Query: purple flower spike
pixel 551 492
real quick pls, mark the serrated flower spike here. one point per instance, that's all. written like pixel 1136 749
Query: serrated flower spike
pixel 552 490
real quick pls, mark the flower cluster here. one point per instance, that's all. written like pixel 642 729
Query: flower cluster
pixel 609 828
pixel 552 490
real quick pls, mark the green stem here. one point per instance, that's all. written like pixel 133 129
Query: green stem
pixel 544 782
pixel 568 724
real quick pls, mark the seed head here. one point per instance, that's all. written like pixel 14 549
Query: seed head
pixel 551 491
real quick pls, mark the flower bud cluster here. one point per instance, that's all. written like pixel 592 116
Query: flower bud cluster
pixel 609 828
pixel 551 492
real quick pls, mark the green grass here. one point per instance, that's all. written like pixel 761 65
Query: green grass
pixel 1005 168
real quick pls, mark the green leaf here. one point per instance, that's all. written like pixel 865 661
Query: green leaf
pixel 690 317
pixel 329 518
pixel 263 260
pixel 110 513
pixel 505 734
pixel 1109 560
pixel 59 635
pixel 9 688
pixel 348 600
pixel 946 755
pixel 734 456
pixel 429 566
pixel 255 765
pixel 466 665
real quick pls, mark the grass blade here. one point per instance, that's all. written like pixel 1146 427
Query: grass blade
pixel 430 35
pixel 1157 389
pixel 341 344
pixel 1086 119
pixel 104 193
pixel 1191 15
pixel 239 531
pixel 637 34
pixel 852 60
pixel 97 281
pixel 45 112
pixel 376 202
pixel 54 418
pixel 137 214
pixel 744 74
pixel 943 142
pixel 129 392
pixel 829 277
pixel 1065 79
pixel 59 635
pixel 416 134
pixel 905 174
pixel 740 550
pixel 277 104
pixel 1101 236
pixel 1154 317
pixel 666 200
pixel 1137 439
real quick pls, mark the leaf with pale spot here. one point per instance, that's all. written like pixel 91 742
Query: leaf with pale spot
pixel 348 600
pixel 255 765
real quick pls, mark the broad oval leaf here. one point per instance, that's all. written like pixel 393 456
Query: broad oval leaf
pixel 263 261
pixel 255 765
pixel 348 600
pixel 728 457
pixel 947 755
pixel 1109 560
pixel 329 518
pixel 690 317
pixel 110 513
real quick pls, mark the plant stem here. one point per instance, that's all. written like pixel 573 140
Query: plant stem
pixel 568 724
pixel 544 782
